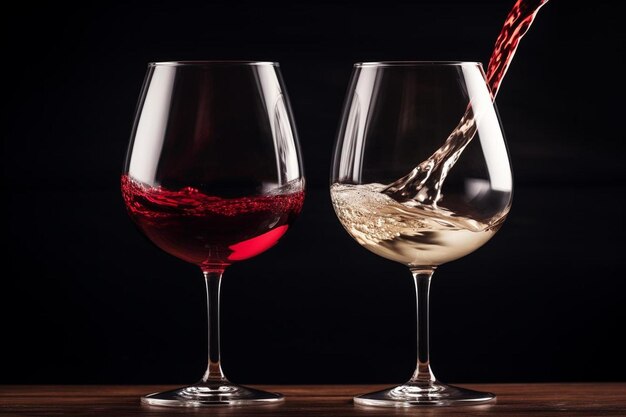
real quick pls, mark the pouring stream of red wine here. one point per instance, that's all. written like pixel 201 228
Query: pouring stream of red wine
pixel 423 184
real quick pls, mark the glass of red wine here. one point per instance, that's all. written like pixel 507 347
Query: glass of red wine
pixel 213 176
pixel 437 122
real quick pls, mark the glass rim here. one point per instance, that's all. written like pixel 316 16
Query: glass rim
pixel 414 63
pixel 206 63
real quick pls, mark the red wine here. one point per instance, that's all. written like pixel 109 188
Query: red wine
pixel 210 231
pixel 516 25
pixel 424 183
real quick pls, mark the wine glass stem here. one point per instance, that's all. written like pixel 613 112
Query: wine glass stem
pixel 213 281
pixel 423 374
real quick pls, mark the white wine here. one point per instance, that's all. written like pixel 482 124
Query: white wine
pixel 409 233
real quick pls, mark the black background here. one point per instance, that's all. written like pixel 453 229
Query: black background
pixel 87 299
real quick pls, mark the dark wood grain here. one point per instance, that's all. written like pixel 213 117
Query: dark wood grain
pixel 584 399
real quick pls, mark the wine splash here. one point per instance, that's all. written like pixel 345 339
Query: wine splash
pixel 414 235
pixel 211 231
pixel 424 183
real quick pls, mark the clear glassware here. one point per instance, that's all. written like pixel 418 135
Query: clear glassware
pixel 421 176
pixel 213 176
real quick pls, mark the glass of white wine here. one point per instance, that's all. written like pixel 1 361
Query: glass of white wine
pixel 421 176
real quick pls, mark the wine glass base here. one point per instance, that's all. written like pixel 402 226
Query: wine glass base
pixel 222 393
pixel 433 394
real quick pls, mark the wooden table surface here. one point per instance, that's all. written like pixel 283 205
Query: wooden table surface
pixel 580 399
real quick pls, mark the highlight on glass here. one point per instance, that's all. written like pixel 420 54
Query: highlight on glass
pixel 213 176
